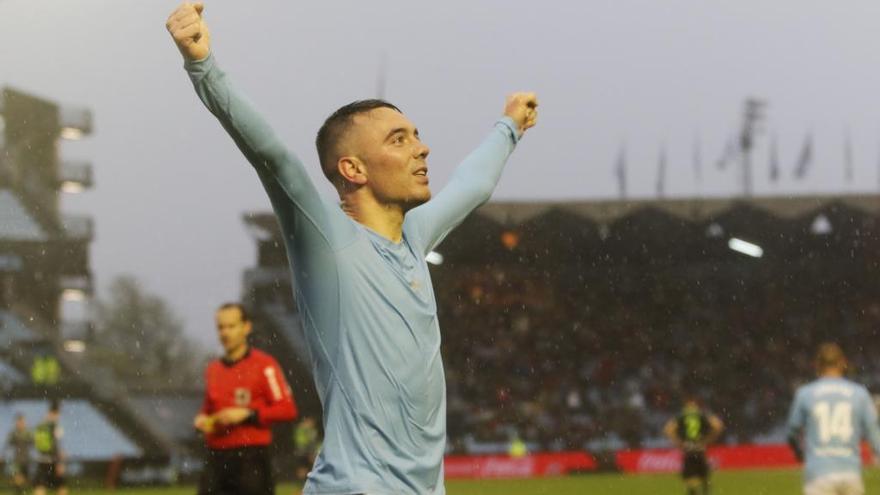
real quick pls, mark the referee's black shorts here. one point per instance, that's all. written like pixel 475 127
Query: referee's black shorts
pixel 46 476
pixel 243 471
pixel 695 465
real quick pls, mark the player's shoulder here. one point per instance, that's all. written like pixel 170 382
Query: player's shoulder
pixel 262 357
pixel 214 364
pixel 804 390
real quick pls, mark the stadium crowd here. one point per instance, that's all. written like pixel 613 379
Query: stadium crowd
pixel 599 357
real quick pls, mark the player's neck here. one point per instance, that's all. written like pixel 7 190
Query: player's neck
pixel 384 219
pixel 237 353
pixel 832 373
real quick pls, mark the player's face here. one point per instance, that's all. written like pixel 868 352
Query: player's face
pixel 231 329
pixel 394 156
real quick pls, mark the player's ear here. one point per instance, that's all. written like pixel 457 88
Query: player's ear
pixel 352 170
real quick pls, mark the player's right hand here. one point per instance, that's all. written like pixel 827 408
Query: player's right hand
pixel 204 423
pixel 189 31
pixel 522 108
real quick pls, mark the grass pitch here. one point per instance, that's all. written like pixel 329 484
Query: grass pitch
pixel 777 482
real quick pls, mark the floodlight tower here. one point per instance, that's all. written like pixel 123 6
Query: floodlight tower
pixel 753 114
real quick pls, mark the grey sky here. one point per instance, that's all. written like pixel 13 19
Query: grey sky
pixel 171 187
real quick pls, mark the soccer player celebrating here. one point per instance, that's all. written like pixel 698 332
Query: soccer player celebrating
pixel 692 431
pixel 360 278
pixel 18 445
pixel 50 457
pixel 245 392
pixel 828 420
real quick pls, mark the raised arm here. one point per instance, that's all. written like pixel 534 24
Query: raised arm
pixel 281 172
pixel 474 180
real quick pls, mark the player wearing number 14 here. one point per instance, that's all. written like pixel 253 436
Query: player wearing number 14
pixel 828 420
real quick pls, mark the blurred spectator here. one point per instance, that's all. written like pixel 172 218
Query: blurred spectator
pixel 567 365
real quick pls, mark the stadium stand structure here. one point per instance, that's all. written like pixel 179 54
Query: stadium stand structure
pixel 44 261
pixel 267 292
pixel 579 325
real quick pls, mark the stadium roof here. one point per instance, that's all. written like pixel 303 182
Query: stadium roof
pixel 692 209
pixel 649 230
pixel 16 224
pixel 512 213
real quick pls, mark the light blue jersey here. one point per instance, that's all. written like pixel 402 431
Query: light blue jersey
pixel 367 306
pixel 834 415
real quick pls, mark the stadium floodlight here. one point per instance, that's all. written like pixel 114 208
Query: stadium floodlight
pixel 72 133
pixel 714 230
pixel 72 187
pixel 821 225
pixel 434 258
pixel 745 247
pixel 74 346
pixel 73 295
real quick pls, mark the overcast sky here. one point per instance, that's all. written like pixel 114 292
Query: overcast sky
pixel 171 187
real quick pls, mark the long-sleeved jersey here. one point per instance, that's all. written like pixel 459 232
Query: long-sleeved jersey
pixel 255 382
pixel 366 305
pixel 833 415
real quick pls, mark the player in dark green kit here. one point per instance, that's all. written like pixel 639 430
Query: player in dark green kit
pixel 50 459
pixel 18 445
pixel 692 431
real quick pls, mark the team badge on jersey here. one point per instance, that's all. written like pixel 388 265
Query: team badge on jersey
pixel 242 397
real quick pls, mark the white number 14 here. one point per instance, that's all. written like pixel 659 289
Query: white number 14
pixel 834 422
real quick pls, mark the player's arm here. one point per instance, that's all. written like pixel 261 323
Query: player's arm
pixel 671 432
pixel 276 166
pixel 716 428
pixel 279 405
pixel 203 420
pixel 475 178
pixel 795 425
pixel 7 446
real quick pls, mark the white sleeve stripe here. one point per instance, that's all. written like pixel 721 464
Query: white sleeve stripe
pixel 273 383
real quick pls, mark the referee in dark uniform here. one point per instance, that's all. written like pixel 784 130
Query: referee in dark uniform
pixel 245 393
pixel 692 431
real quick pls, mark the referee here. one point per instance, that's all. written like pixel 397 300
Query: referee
pixel 245 392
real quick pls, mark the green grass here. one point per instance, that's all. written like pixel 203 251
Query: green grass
pixel 780 482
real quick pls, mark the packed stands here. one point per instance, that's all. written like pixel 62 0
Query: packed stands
pixel 581 325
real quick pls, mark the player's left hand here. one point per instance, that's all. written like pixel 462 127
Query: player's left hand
pixel 232 415
pixel 522 108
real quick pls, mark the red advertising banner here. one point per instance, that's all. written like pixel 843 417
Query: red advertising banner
pixel 721 457
pixel 530 466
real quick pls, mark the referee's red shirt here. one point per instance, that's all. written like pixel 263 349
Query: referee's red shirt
pixel 255 382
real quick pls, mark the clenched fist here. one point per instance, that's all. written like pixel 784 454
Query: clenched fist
pixel 190 31
pixel 523 109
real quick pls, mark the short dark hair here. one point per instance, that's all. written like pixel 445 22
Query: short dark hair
pixel 54 405
pixel 245 316
pixel 335 127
